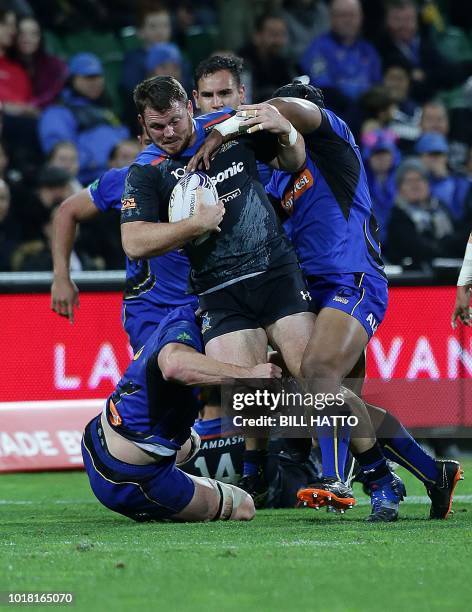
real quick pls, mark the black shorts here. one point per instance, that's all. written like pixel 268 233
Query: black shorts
pixel 254 302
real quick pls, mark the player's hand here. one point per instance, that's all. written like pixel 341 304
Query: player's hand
pixel 263 117
pixel 202 158
pixel 462 308
pixel 207 218
pixel 265 370
pixel 64 297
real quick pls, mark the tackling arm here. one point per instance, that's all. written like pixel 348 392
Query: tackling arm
pixel 182 364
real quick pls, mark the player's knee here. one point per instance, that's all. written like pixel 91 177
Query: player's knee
pixel 246 509
pixel 320 365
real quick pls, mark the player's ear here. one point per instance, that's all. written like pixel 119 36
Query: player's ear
pixel 242 94
pixel 190 108
pixel 141 122
pixel 195 98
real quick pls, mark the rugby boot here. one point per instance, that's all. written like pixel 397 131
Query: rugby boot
pixel 327 492
pixel 442 491
pixel 385 500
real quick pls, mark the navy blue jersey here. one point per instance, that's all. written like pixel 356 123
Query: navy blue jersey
pixel 156 414
pixel 160 280
pixel 221 451
pixel 251 239
pixel 332 225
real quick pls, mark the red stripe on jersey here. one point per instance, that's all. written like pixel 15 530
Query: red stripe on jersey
pixel 158 160
pixel 217 120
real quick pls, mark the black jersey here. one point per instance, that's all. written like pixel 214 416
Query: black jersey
pixel 251 238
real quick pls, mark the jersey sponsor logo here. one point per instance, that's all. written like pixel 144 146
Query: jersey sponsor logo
pixel 372 321
pixel 303 181
pixel 338 298
pixel 205 322
pixel 128 204
pixel 230 196
pixel 235 168
pixel 227 145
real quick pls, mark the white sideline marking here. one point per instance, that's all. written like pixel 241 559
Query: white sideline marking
pixel 411 499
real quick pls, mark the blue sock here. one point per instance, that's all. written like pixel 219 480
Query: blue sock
pixel 399 446
pixel 334 447
pixel 374 466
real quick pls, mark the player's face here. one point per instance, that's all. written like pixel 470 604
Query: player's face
pixel 171 130
pixel 218 90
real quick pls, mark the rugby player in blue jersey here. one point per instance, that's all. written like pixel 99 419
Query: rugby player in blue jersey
pixel 334 233
pixel 133 449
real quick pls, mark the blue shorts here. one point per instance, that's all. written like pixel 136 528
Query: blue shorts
pixel 141 492
pixel 363 296
pixel 141 319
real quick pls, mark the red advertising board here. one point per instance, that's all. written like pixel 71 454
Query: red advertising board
pixel 55 375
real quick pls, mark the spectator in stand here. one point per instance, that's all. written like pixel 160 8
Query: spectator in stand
pixel 305 19
pixel 124 153
pixel 47 73
pixel 420 227
pixel 154 26
pixel 33 207
pixel 266 56
pixel 434 118
pixel 3 161
pixel 342 63
pixel 401 41
pixel 19 122
pixel 381 158
pixel 449 188
pixel 65 155
pixel 378 108
pixel 9 234
pixel 15 85
pixel 406 117
pixel 83 116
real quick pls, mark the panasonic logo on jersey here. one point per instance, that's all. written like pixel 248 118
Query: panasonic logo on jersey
pixel 234 169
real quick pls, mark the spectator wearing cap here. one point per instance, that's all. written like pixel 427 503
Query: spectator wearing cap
pixel 445 185
pixel 83 116
pixel 341 61
pixel 381 158
pixel 421 227
pixel 164 59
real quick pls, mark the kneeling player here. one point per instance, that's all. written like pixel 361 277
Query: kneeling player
pixel 131 451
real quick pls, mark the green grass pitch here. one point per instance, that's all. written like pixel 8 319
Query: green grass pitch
pixel 54 536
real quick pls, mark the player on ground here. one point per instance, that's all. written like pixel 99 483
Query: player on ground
pixel 462 308
pixel 131 451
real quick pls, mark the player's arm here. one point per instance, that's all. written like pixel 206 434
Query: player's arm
pixel 462 307
pixel 142 235
pixel 74 210
pixel 183 364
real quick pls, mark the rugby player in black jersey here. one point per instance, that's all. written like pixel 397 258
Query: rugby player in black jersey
pixel 238 271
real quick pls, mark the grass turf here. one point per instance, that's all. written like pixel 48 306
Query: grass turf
pixel 54 536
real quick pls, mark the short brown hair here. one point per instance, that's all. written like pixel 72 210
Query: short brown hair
pixel 158 93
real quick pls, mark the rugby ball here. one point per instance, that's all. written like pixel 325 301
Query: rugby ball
pixel 183 200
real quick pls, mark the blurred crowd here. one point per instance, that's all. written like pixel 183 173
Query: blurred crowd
pixel 398 71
